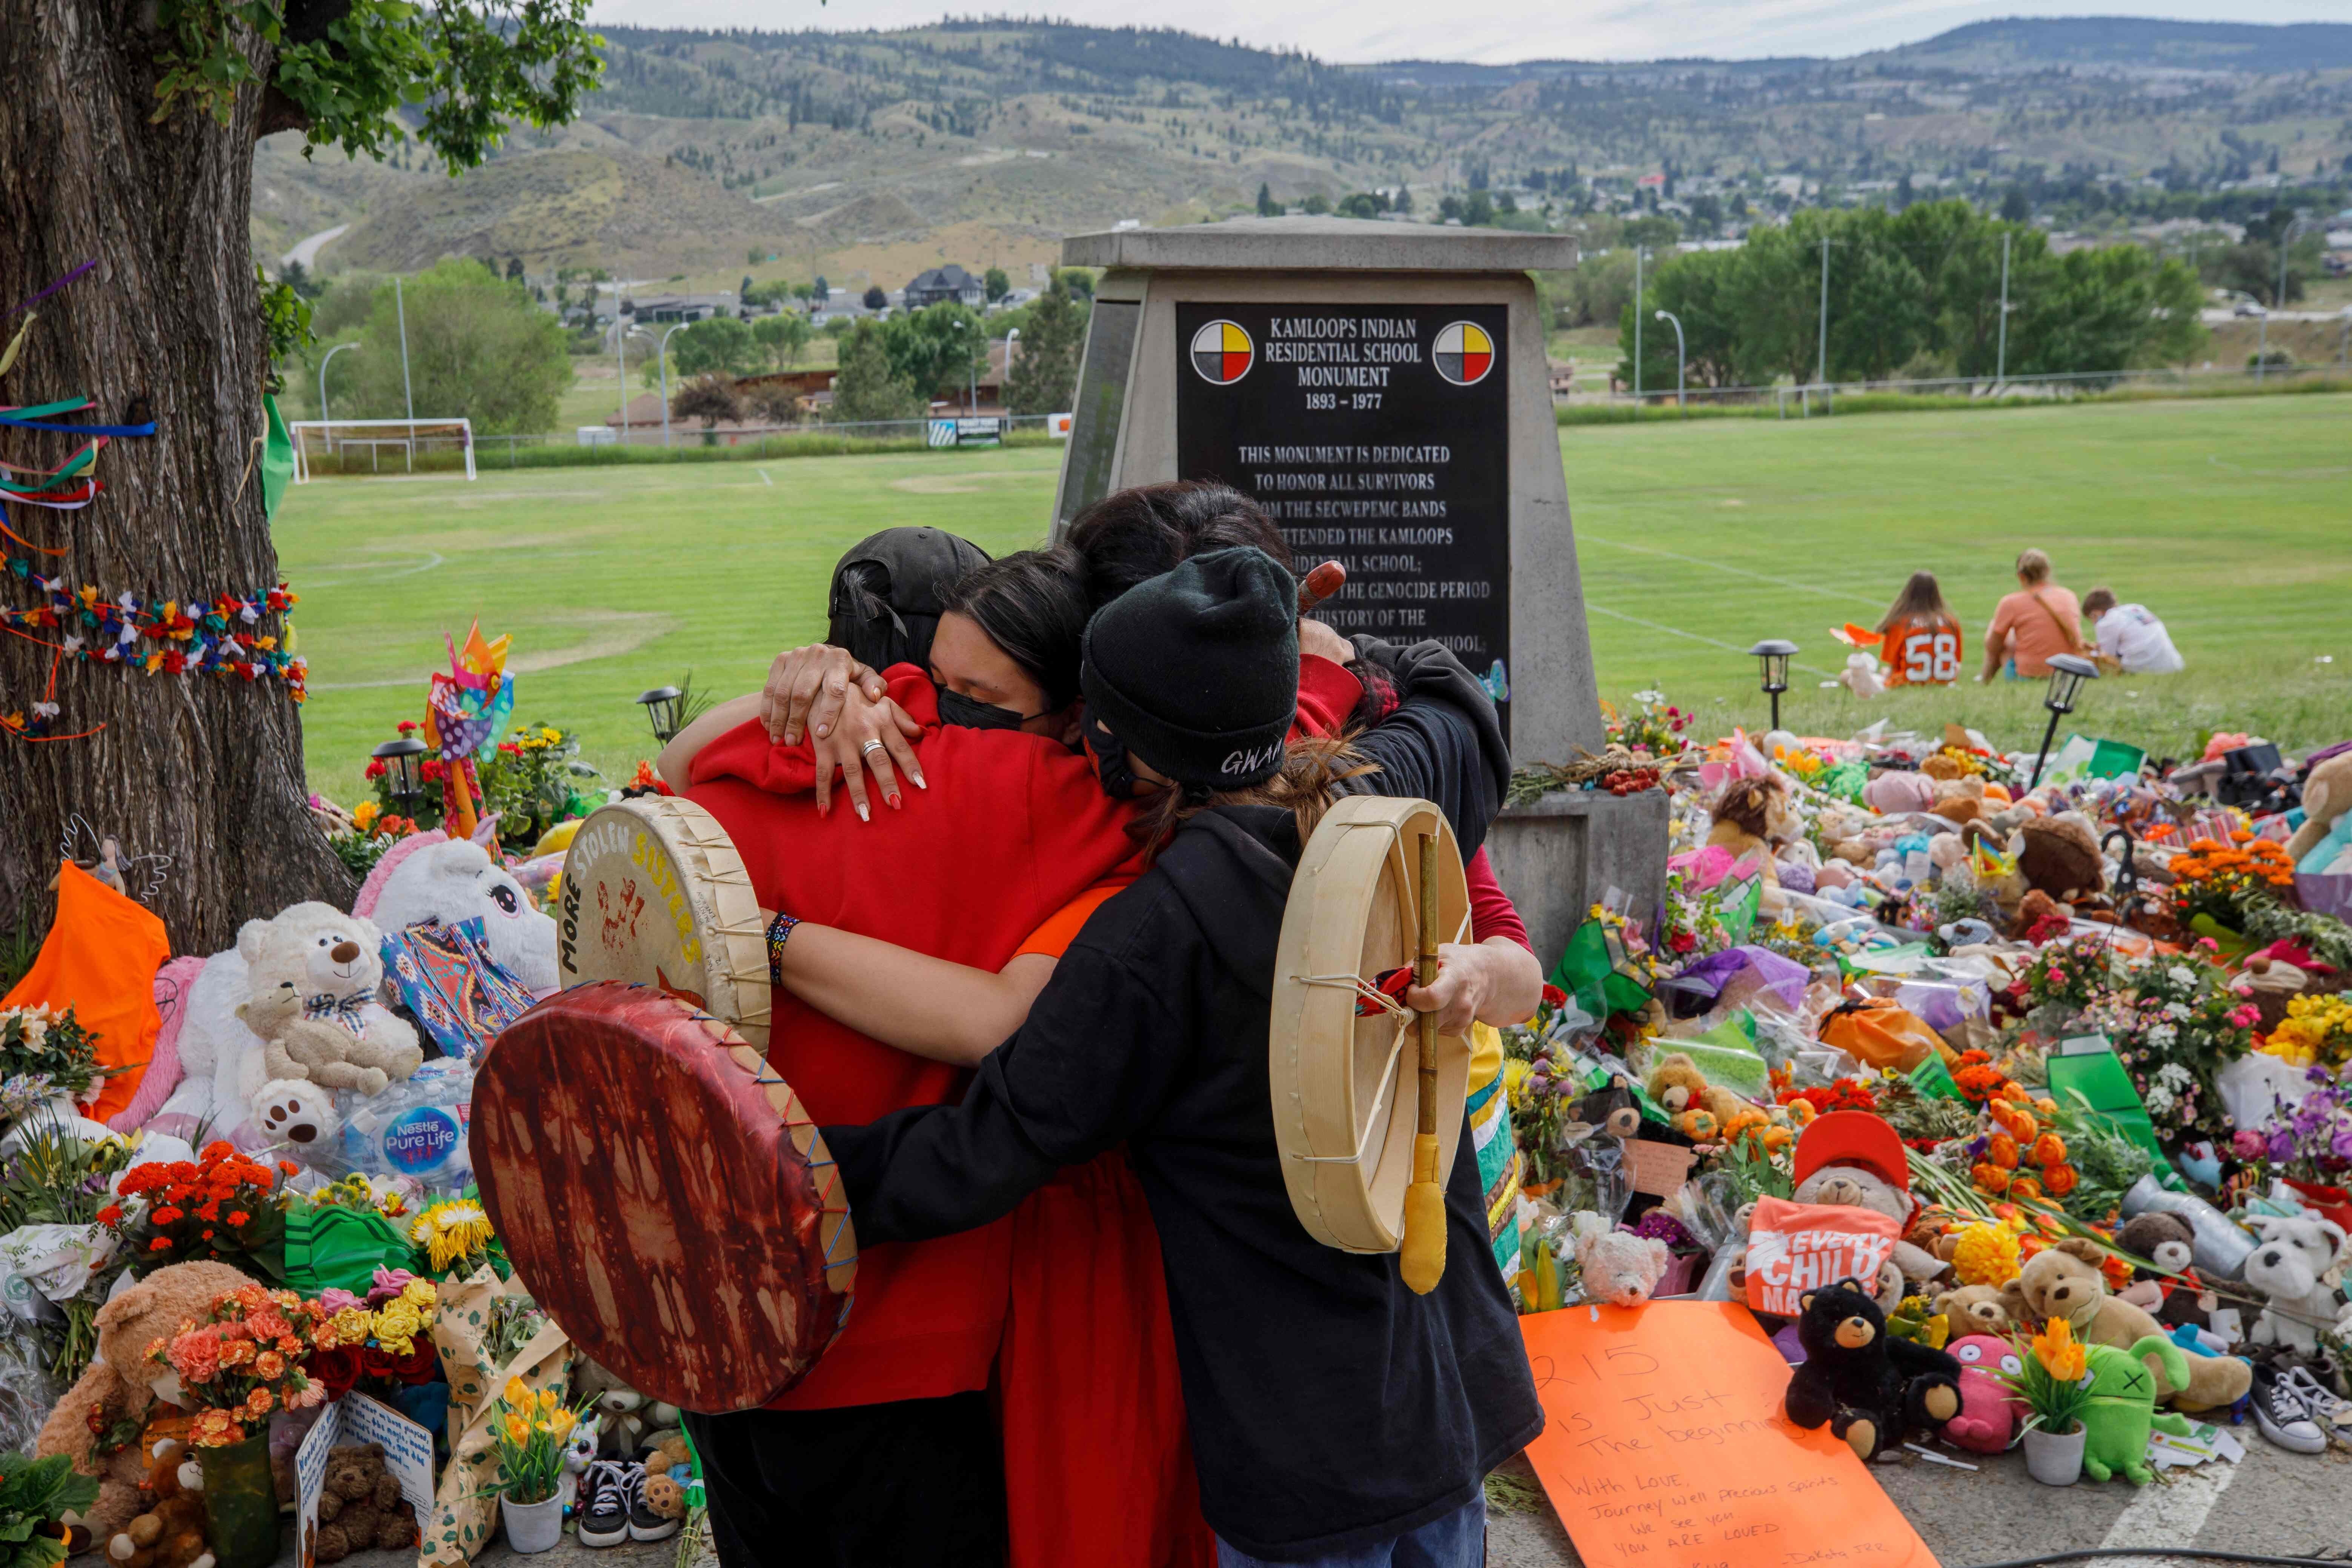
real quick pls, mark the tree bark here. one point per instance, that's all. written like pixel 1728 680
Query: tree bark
pixel 204 770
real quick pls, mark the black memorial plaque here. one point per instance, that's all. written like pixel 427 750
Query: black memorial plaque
pixel 1379 436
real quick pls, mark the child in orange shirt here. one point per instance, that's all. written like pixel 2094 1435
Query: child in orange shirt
pixel 1920 637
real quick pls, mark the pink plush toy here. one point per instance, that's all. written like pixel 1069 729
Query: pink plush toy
pixel 1616 1266
pixel 1988 1410
pixel 1891 793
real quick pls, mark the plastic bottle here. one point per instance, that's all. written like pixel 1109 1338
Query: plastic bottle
pixel 415 1128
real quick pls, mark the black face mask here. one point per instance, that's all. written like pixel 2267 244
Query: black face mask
pixel 1118 780
pixel 966 713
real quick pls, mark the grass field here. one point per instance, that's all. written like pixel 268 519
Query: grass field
pixel 2226 516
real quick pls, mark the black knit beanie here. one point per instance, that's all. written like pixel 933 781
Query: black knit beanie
pixel 1196 671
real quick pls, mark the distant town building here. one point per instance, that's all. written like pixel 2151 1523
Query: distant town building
pixel 651 308
pixel 949 285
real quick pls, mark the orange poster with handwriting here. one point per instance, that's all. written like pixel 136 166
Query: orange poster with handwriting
pixel 1663 1446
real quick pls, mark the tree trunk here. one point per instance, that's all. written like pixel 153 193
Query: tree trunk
pixel 204 770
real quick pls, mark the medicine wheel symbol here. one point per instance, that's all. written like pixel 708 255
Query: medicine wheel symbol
pixel 1464 352
pixel 1222 352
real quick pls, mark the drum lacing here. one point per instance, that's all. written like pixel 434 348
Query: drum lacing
pixel 1388 1070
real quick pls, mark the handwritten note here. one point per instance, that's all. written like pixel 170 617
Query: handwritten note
pixel 1665 1446
pixel 356 1418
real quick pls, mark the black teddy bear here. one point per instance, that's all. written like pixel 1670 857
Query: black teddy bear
pixel 1868 1386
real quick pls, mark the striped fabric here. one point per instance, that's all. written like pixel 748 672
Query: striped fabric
pixel 1498 1155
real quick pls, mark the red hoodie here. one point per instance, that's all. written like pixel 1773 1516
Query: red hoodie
pixel 1013 827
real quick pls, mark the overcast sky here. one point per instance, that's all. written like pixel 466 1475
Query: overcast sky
pixel 1499 30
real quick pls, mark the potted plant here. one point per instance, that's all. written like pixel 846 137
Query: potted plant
pixel 243 1363
pixel 531 1431
pixel 2054 1381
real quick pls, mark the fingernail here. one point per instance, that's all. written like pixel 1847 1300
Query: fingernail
pixel 916 774
pixel 894 800
pixel 823 730
pixel 861 812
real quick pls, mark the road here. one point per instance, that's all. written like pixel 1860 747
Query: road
pixel 2223 317
pixel 305 249
pixel 2271 1502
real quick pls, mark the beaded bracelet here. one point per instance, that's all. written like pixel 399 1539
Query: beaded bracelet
pixel 780 930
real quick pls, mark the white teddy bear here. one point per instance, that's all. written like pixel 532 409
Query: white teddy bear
pixel 1616 1266
pixel 2291 1270
pixel 433 880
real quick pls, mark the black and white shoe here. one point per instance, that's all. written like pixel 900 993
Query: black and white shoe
pixel 2279 1411
pixel 2328 1409
pixel 604 1498
pixel 644 1524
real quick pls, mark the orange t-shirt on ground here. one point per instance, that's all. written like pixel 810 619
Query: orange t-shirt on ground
pixel 1922 651
pixel 2031 619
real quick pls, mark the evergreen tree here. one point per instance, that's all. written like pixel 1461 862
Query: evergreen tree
pixel 1044 378
pixel 1266 205
pixel 865 389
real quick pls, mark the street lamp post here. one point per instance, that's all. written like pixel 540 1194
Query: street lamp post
pixel 1012 341
pixel 2067 673
pixel 1637 326
pixel 328 428
pixel 1773 655
pixel 662 351
pixel 1680 360
pixel 972 368
pixel 661 706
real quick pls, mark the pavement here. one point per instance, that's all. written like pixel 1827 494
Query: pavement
pixel 2271 1502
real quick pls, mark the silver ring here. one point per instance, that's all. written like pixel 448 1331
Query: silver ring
pixel 868 749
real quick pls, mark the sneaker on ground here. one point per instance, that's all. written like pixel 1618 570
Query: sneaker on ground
pixel 2324 1404
pixel 644 1524
pixel 2278 1410
pixel 605 1495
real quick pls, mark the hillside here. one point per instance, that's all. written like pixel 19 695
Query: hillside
pixel 860 152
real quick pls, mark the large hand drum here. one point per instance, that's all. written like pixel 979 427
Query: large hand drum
pixel 1344 1084
pixel 664 1195
pixel 655 894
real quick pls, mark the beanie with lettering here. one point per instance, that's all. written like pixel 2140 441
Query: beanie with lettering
pixel 1196 671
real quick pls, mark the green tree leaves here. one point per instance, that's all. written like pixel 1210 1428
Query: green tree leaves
pixel 479 347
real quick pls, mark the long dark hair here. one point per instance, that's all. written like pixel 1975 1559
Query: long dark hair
pixel 1921 600
pixel 1141 532
pixel 1031 606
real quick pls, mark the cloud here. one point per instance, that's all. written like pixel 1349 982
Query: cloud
pixel 1498 31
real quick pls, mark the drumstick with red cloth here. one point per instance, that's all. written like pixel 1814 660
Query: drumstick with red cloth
pixel 1319 585
pixel 1421 1252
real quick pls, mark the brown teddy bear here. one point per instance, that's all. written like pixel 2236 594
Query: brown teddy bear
pixel 171 1532
pixel 665 1497
pixel 1974 1309
pixel 1960 801
pixel 359 1506
pixel 2060 855
pixel 2064 1280
pixel 1751 815
pixel 1680 1091
pixel 116 1392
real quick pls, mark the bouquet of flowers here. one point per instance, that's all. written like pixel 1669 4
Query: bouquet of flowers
pixel 1653 728
pixel 531 1431
pixel 52 1047
pixel 53 1238
pixel 2226 882
pixel 244 1360
pixel 382 1334
pixel 2069 976
pixel 454 1234
pixel 375 831
pixel 2310 1140
pixel 224 1206
pixel 2316 1032
pixel 529 779
pixel 2175 1023
pixel 2050 1379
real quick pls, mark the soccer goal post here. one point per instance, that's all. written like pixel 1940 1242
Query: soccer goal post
pixel 361 445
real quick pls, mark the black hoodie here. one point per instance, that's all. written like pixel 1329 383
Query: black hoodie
pixel 1329 1406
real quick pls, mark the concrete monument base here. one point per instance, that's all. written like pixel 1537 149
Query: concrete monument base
pixel 1560 855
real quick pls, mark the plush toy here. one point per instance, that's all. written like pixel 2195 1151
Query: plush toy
pixel 1860 675
pixel 1616 1266
pixel 2326 813
pixel 117 1392
pixel 2060 855
pixel 1751 814
pixel 663 1497
pixel 2064 1280
pixel 1610 1110
pixel 360 1505
pixel 665 1451
pixel 2165 1239
pixel 2122 1411
pixel 1960 801
pixel 579 1452
pixel 1856 1158
pixel 431 878
pixel 170 1533
pixel 2290 1269
pixel 313 977
pixel 1989 1412
pixel 1679 1088
pixel 626 1414
pixel 1867 1385
pixel 1897 791
pixel 1975 1310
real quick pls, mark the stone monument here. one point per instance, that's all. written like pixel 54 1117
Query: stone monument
pixel 1382 389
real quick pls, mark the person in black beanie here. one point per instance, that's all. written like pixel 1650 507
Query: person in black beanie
pixel 1332 1413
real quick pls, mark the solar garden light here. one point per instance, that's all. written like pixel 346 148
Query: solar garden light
pixel 2067 673
pixel 399 758
pixel 1773 654
pixel 661 711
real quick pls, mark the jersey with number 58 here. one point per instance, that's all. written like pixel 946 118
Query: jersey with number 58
pixel 1922 652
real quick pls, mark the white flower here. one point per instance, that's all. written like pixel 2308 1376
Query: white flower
pixel 2162 1035
pixel 2174 1076
pixel 2180 974
pixel 2176 1009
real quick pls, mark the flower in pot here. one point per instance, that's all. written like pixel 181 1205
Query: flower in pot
pixel 531 1431
pixel 2053 1378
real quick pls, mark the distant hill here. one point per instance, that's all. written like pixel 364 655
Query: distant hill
pixel 860 153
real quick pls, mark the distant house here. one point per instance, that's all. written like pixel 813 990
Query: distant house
pixel 651 308
pixel 950 285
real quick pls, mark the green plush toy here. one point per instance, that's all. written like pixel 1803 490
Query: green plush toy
pixel 2122 1411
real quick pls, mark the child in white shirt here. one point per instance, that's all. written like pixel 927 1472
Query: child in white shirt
pixel 2131 640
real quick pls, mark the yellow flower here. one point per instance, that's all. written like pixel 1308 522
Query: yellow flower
pixel 421 1295
pixel 516 1392
pixel 547 733
pixel 363 815
pixel 547 1399
pixel 2060 1356
pixel 451 1229
pixel 1986 1255
pixel 518 1430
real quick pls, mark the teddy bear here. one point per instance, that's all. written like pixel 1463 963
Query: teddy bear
pixel 2060 855
pixel 665 1498
pixel 2290 1269
pixel 2122 1411
pixel 170 1533
pixel 1616 1266
pixel 117 1389
pixel 1856 1158
pixel 1976 1309
pixel 2064 1280
pixel 360 1505
pixel 1868 1387
pixel 579 1452
pixel 626 1414
pixel 1699 1108
pixel 430 879
pixel 1990 1411
pixel 2165 1239
pixel 2327 827
pixel 1751 814
pixel 1897 791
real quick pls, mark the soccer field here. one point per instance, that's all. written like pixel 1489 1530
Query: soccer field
pixel 2231 519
